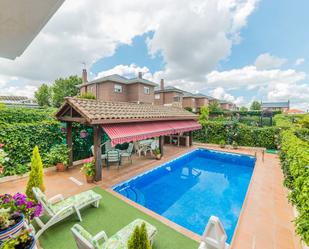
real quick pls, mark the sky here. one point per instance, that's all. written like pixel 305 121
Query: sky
pixel 236 50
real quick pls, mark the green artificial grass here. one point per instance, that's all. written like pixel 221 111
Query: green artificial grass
pixel 112 215
pixel 269 151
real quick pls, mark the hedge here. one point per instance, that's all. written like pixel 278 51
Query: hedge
pixel 294 155
pixel 25 115
pixel 19 140
pixel 215 132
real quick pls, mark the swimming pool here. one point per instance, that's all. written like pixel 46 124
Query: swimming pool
pixel 191 188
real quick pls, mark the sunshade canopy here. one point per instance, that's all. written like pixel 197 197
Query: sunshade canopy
pixel 127 132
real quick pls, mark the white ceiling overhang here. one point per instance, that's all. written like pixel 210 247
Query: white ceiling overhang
pixel 20 23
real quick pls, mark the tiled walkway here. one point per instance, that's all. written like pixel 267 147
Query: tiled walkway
pixel 265 220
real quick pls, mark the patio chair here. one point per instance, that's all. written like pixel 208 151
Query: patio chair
pixel 84 240
pixel 107 145
pixel 113 156
pixel 128 152
pixel 58 208
pixel 214 236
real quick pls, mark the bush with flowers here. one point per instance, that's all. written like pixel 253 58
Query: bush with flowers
pixel 13 210
pixel 88 167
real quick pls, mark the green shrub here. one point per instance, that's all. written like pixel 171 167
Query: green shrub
pixel 26 115
pixel 244 135
pixel 58 154
pixel 139 238
pixel 294 155
pixel 36 174
pixel 87 95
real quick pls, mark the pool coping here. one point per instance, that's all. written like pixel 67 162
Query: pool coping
pixel 181 229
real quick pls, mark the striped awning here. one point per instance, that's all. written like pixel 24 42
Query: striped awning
pixel 128 132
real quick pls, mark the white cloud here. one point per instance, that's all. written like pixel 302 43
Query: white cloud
pixel 268 61
pixel 198 35
pixel 299 61
pixel 250 77
pixel 130 71
pixel 220 93
pixel 85 31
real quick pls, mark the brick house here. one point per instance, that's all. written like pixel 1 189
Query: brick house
pixel 276 106
pixel 228 106
pixel 117 88
pixel 168 95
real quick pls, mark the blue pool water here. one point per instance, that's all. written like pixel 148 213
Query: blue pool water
pixel 191 188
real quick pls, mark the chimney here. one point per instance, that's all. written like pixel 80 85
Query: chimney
pixel 140 75
pixel 84 76
pixel 162 84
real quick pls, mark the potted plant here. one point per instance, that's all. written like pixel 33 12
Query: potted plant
pixel 88 169
pixel 157 153
pixel 3 159
pixel 235 145
pixel 24 240
pixel 15 211
pixel 222 143
pixel 58 156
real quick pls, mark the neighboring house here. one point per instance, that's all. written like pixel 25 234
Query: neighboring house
pixel 22 101
pixel 117 88
pixel 228 106
pixel 195 101
pixel 168 95
pixel 295 111
pixel 276 106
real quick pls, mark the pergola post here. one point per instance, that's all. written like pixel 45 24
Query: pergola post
pixel 190 138
pixel 97 152
pixel 161 145
pixel 70 142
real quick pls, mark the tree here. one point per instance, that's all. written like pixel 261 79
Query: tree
pixel 43 95
pixel 66 87
pixel 204 114
pixel 139 238
pixel 255 106
pixel 215 107
pixel 36 173
pixel 243 109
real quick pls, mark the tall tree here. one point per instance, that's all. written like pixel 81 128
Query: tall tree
pixel 255 106
pixel 215 107
pixel 43 95
pixel 204 114
pixel 66 87
pixel 243 109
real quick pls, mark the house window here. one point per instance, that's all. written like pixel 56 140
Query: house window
pixel 146 90
pixel 118 88
pixel 157 96
pixel 177 99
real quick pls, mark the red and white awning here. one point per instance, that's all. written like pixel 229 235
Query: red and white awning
pixel 127 132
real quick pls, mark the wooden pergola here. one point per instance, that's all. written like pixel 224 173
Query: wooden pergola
pixel 119 114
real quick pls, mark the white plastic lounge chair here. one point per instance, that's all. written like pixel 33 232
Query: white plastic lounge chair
pixel 128 152
pixel 57 208
pixel 84 240
pixel 214 236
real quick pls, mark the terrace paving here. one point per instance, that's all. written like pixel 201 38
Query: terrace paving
pixel 266 218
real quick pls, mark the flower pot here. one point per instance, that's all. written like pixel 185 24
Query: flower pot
pixel 90 179
pixel 14 229
pixel 158 156
pixel 60 167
